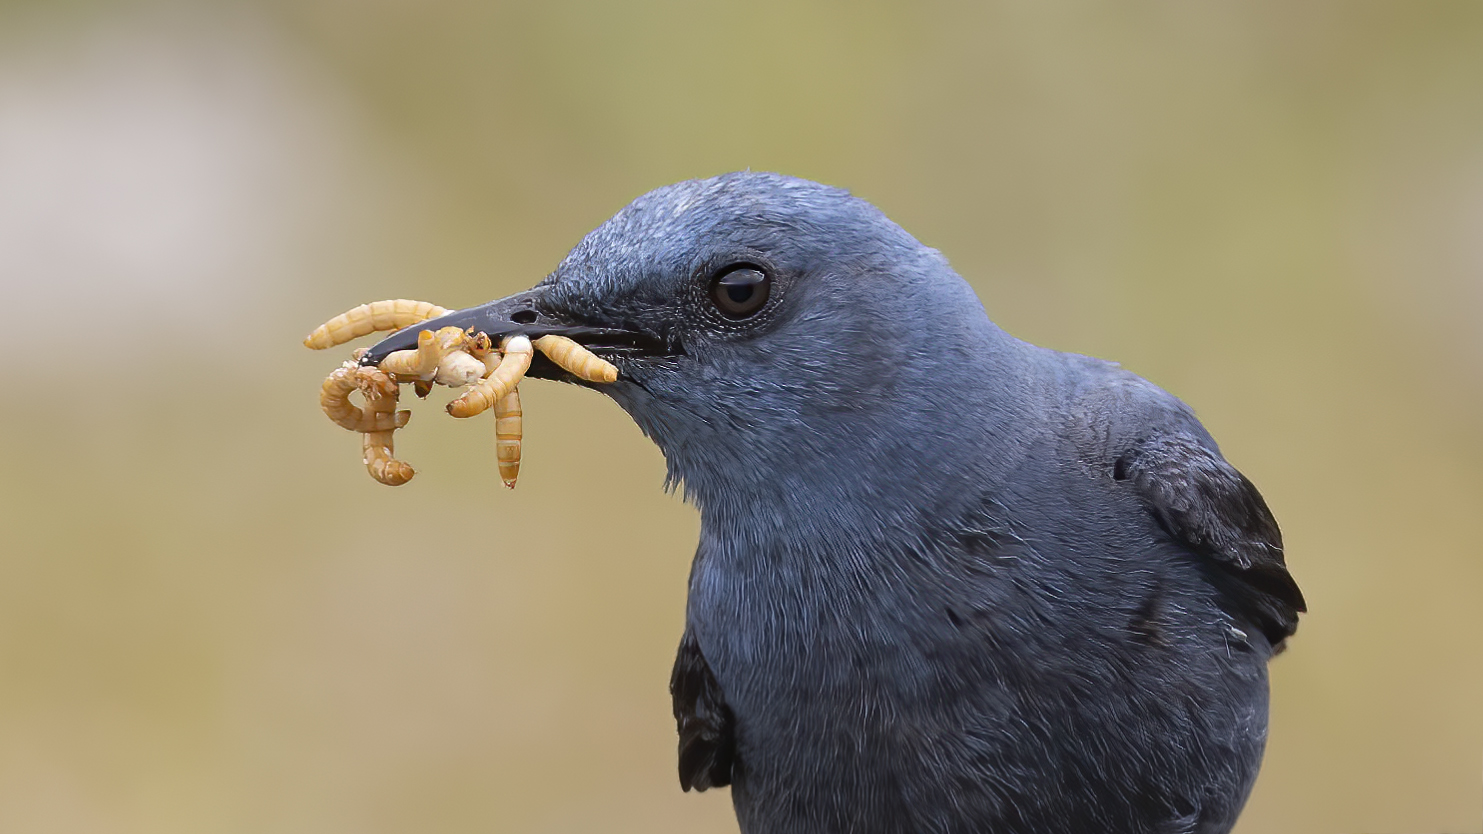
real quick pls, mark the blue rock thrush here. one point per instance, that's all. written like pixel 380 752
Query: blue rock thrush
pixel 947 581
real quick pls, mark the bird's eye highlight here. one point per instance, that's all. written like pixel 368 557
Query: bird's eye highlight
pixel 740 291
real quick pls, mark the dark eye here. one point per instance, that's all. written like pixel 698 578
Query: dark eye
pixel 740 291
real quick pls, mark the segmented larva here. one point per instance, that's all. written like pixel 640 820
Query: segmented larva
pixel 422 362
pixel 408 364
pixel 508 431
pixel 334 398
pixel 459 369
pixel 392 314
pixel 512 365
pixel 381 396
pixel 576 359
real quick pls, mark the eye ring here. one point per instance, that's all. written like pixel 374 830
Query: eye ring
pixel 739 291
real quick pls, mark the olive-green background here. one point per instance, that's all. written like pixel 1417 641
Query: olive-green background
pixel 211 620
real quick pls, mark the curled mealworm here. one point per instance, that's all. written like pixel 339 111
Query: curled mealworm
pixel 392 314
pixel 408 364
pixel 381 396
pixel 504 376
pixel 334 398
pixel 459 369
pixel 576 359
pixel 423 361
pixel 508 430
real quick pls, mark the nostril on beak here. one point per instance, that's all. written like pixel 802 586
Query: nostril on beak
pixel 523 317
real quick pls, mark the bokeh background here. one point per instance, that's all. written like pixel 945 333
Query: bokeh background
pixel 211 620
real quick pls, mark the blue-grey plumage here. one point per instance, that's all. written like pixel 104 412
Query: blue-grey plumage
pixel 947 581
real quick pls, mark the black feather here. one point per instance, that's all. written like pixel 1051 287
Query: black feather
pixel 707 747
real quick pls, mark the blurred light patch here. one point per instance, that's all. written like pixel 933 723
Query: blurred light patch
pixel 164 175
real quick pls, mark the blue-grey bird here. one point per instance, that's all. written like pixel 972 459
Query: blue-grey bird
pixel 947 581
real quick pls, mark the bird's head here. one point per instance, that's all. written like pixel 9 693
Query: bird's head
pixel 777 338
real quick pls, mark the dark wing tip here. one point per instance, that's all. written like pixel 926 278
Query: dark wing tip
pixel 1203 501
pixel 706 727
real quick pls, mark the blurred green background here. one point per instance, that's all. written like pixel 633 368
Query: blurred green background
pixel 212 620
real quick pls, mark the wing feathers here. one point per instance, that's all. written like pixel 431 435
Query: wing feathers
pixel 707 742
pixel 1203 501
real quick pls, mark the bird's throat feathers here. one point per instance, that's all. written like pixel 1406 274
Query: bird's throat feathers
pixel 809 453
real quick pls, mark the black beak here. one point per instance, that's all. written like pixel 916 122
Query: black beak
pixel 523 314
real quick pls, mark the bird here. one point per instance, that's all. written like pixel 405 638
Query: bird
pixel 946 580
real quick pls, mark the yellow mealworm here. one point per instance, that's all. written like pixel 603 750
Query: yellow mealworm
pixel 334 398
pixel 512 366
pixel 374 383
pixel 459 369
pixel 393 314
pixel 407 363
pixel 422 363
pixel 508 429
pixel 576 359
pixel 381 396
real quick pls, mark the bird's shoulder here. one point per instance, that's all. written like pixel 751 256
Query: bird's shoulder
pixel 1144 439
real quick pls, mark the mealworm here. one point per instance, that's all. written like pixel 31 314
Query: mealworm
pixel 576 359
pixel 422 362
pixel 334 398
pixel 408 363
pixel 393 314
pixel 459 369
pixel 381 396
pixel 505 375
pixel 508 429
